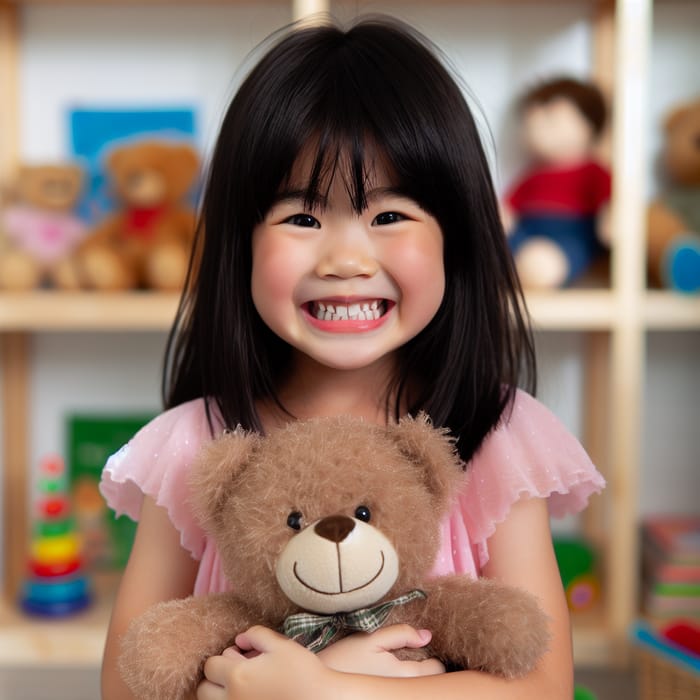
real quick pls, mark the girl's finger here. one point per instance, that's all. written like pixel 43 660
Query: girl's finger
pixel 216 668
pixel 207 690
pixel 400 636
pixel 260 639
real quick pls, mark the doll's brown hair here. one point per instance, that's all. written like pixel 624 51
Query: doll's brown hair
pixel 586 96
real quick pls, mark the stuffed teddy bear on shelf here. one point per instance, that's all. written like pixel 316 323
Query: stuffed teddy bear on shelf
pixel 556 213
pixel 329 526
pixel 39 229
pixel 673 220
pixel 146 242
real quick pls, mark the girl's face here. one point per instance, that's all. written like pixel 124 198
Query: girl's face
pixel 347 289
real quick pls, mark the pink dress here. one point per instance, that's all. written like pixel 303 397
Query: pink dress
pixel 532 455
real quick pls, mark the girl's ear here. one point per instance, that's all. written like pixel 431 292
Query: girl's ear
pixel 432 451
pixel 216 471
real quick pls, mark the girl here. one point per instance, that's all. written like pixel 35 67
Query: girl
pixel 353 263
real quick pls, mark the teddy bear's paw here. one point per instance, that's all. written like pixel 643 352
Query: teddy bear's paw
pixel 105 270
pixel 18 271
pixel 513 637
pixel 163 652
pixel 166 267
pixel 409 654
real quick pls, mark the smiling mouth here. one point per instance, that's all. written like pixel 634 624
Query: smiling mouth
pixel 351 590
pixel 368 310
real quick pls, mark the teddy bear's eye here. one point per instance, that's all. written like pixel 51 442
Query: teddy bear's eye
pixel 362 513
pixel 294 520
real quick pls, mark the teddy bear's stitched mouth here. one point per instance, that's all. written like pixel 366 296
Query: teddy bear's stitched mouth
pixel 341 591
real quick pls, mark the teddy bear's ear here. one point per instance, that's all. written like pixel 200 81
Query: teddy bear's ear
pixel 216 470
pixel 432 450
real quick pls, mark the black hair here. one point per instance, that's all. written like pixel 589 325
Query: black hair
pixel 343 92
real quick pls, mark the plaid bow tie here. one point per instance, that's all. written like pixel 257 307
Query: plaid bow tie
pixel 316 632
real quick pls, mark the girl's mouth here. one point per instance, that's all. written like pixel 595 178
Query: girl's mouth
pixel 367 310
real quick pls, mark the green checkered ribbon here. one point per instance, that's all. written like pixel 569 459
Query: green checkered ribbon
pixel 316 632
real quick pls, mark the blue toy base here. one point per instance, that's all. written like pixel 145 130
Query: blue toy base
pixel 55 608
pixel 681 269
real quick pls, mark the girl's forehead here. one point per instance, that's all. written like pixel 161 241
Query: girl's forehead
pixel 318 171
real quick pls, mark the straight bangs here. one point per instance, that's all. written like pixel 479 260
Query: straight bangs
pixel 343 104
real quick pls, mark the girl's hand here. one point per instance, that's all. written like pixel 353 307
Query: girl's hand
pixel 265 666
pixel 371 653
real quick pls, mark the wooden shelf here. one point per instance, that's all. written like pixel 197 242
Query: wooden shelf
pixel 86 311
pixel 574 309
pixel 78 641
pixel 75 641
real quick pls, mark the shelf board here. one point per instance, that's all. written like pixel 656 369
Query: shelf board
pixel 78 641
pixel 569 309
pixel 86 311
pixel 671 311
pixel 572 309
pixel 75 641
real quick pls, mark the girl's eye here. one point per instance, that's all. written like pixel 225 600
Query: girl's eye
pixel 362 513
pixel 294 520
pixel 304 220
pixel 387 217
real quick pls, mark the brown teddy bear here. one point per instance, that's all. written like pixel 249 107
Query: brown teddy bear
pixel 146 243
pixel 673 222
pixel 339 518
pixel 39 230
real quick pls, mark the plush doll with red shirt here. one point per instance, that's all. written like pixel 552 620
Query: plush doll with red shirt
pixel 556 213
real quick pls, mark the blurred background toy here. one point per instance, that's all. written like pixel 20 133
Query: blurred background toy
pixel 673 224
pixel 146 242
pixel 577 565
pixel 556 212
pixel 56 585
pixel 39 230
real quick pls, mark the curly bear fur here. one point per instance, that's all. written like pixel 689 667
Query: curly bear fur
pixel 330 509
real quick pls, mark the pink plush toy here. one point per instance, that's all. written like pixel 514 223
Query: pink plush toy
pixel 40 232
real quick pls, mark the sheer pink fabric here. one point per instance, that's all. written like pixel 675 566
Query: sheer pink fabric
pixel 531 455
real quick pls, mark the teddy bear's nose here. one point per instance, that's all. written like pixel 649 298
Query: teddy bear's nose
pixel 335 527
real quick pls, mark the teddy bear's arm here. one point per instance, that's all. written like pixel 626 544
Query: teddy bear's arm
pixel 164 649
pixel 480 624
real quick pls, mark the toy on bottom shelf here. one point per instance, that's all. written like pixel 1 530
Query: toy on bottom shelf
pixel 318 548
pixel 556 213
pixel 577 566
pixel 56 585
pixel 146 242
pixel 673 222
pixel 39 229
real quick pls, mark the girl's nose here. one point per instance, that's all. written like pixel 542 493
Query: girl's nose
pixel 347 256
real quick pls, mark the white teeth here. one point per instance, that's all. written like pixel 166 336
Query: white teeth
pixel 366 311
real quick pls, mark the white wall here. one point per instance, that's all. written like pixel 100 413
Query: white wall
pixel 86 55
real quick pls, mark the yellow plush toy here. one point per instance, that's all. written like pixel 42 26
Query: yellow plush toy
pixel 39 230
pixel 146 243
pixel 673 223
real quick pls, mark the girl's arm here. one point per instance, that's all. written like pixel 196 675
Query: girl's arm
pixel 521 554
pixel 158 569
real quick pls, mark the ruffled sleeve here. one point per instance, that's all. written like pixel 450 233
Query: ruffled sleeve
pixel 530 455
pixel 155 462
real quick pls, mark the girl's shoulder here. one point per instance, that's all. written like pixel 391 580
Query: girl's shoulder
pixel 530 454
pixel 155 463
